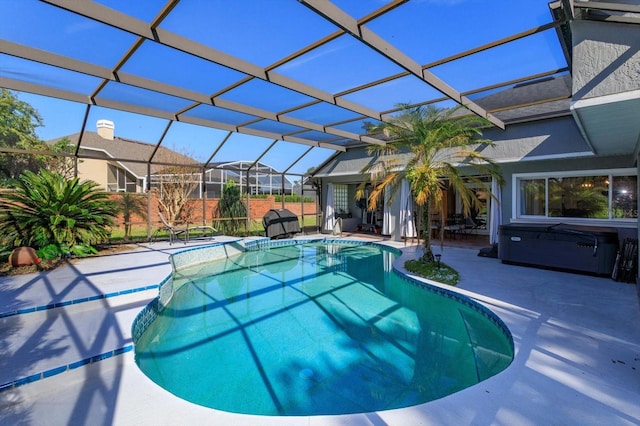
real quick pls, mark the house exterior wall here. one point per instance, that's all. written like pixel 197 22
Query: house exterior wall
pixel 606 59
pixel 95 170
pixel 561 150
pixel 545 146
pixel 540 140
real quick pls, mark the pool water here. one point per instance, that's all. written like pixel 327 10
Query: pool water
pixel 313 329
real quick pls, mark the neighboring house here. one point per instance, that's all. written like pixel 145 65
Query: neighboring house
pixel 571 160
pixel 102 159
pixel 106 159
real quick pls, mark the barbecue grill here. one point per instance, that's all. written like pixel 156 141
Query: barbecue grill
pixel 280 223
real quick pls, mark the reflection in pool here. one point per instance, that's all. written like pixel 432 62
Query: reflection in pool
pixel 317 328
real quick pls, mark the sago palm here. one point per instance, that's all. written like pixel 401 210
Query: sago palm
pixel 45 209
pixel 427 145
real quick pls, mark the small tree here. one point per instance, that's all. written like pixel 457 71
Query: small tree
pixel 131 204
pixel 230 208
pixel 18 123
pixel 46 211
pixel 437 141
pixel 62 164
pixel 175 184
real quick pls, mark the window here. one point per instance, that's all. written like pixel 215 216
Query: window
pixel 340 198
pixel 119 180
pixel 624 200
pixel 533 200
pixel 580 196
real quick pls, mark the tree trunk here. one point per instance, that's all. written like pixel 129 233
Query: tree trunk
pixel 426 220
pixel 127 227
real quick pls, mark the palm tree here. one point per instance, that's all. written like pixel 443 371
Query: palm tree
pixel 131 204
pixel 46 210
pixel 425 146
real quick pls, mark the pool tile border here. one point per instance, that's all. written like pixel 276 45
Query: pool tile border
pixel 76 364
pixel 63 368
pixel 33 309
pixel 461 298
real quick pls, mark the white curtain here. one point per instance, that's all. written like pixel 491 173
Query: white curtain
pixel 408 228
pixel 387 260
pixel 329 216
pixel 386 218
pixel 496 211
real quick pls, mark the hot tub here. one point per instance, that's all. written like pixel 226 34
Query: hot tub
pixel 584 249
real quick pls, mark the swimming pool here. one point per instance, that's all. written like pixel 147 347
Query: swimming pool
pixel 316 328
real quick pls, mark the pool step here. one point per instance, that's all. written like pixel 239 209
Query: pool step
pixel 52 340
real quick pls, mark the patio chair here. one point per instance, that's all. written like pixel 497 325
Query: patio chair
pixel 471 225
pixel 174 231
pixel 455 226
pixel 205 229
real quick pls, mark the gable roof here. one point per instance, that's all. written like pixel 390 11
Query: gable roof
pixel 131 154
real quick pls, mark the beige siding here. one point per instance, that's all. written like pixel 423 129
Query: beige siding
pixel 95 170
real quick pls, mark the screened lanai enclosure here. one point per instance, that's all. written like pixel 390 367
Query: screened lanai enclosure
pixel 251 179
pixel 262 93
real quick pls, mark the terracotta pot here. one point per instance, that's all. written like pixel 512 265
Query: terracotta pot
pixel 23 256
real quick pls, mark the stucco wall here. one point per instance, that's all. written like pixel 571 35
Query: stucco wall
pixel 540 140
pixel 95 170
pixel 606 58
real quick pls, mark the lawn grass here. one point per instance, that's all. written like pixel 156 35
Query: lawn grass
pixel 139 232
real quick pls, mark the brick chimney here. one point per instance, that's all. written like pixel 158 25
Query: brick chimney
pixel 105 129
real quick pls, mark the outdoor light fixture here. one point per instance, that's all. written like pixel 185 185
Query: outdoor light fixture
pixel 438 256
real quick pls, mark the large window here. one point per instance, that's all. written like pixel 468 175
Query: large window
pixel 585 196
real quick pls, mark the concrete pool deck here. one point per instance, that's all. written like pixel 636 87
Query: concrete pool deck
pixel 577 349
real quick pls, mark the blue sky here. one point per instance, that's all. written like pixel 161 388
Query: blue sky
pixel 261 32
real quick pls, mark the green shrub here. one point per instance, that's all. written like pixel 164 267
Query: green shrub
pixel 436 271
pixel 293 198
pixel 230 213
pixel 55 215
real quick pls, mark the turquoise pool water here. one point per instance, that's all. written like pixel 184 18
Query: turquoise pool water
pixel 317 328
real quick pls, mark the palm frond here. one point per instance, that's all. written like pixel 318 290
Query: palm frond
pixel 45 208
pixel 438 142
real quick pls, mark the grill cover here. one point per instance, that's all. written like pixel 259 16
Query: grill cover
pixel 280 223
